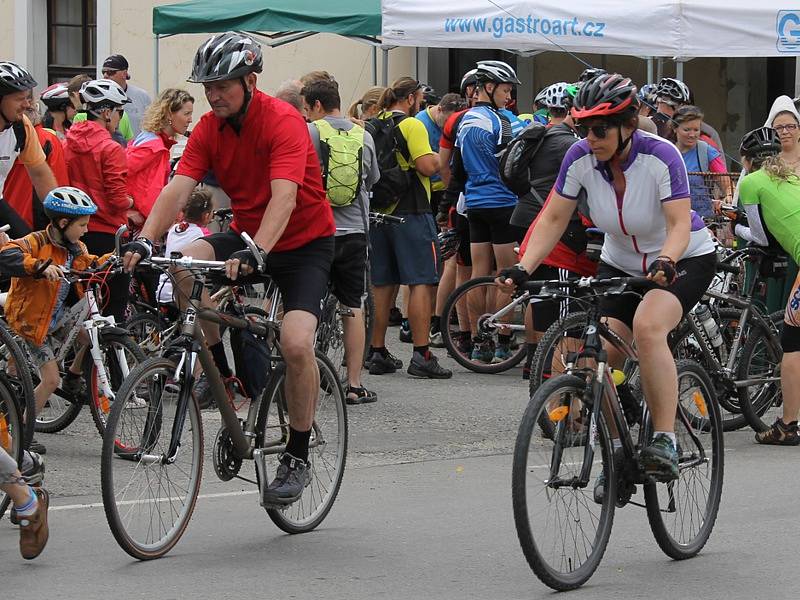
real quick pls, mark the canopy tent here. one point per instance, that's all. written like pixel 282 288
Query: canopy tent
pixel 679 29
pixel 275 22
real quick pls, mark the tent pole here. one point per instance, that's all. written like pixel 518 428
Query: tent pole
pixel 385 74
pixel 650 70
pixel 679 69
pixel 374 65
pixel 659 69
pixel 155 65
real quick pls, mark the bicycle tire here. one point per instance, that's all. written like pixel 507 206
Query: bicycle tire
pixel 147 329
pixel 21 381
pixel 11 426
pixel 272 428
pixel 708 431
pixel 756 401
pixel 534 545
pixel 464 360
pixel 99 404
pixel 149 430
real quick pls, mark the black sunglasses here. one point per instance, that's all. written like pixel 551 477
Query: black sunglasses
pixel 121 111
pixel 599 131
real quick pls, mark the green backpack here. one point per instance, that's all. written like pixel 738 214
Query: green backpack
pixel 341 153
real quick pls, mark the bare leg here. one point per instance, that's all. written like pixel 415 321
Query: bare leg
pixel 790 385
pixel 419 313
pixel 50 380
pixel 354 339
pixel 302 374
pixel 383 296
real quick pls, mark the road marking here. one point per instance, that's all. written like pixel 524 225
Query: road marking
pixel 201 496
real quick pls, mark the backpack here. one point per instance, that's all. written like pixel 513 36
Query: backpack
pixel 340 155
pixel 516 158
pixel 394 182
pixel 251 359
pixel 22 135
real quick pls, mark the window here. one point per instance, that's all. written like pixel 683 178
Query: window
pixel 72 36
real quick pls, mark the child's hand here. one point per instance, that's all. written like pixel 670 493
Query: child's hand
pixel 53 273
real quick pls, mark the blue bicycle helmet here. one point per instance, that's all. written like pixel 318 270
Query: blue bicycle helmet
pixel 68 202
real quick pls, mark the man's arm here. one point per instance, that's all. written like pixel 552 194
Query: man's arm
pixel 276 216
pixel 42 179
pixel 427 165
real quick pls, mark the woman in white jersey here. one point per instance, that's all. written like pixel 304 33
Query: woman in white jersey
pixel 638 194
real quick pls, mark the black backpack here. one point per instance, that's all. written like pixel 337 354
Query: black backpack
pixel 394 182
pixel 516 158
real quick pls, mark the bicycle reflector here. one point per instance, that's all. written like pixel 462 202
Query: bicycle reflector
pixel 700 402
pixel 5 438
pixel 558 414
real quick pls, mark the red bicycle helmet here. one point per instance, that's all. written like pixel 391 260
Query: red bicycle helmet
pixel 608 94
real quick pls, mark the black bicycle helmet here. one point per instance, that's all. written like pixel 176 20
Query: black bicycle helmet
pixel 14 78
pixel 429 95
pixel 760 143
pixel 449 243
pixel 591 73
pixel 673 89
pixel 226 56
pixel 496 71
pixel 470 78
pixel 608 94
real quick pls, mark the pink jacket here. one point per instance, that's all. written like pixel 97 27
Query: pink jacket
pixel 148 169
pixel 97 165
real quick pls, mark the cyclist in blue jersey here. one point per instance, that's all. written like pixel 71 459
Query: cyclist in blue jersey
pixel 638 194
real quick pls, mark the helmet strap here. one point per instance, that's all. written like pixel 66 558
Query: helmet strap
pixel 621 145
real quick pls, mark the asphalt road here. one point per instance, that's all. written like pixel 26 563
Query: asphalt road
pixel 424 512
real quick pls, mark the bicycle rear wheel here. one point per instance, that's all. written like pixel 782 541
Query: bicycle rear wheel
pixel 147 330
pixel 12 436
pixel 149 501
pixel 682 512
pixel 14 364
pixel 562 531
pixel 760 362
pixel 327 448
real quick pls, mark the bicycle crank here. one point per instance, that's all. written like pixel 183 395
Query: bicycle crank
pixel 226 463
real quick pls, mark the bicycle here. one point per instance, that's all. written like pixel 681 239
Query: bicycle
pixel 152 460
pixel 12 430
pixel 562 532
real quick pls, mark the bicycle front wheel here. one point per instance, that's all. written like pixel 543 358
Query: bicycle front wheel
pixel 327 450
pixel 562 531
pixel 14 364
pixel 762 400
pixel 148 495
pixel 12 436
pixel 682 512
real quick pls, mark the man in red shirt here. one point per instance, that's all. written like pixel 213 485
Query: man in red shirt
pixel 262 156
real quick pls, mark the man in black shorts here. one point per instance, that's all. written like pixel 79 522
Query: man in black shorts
pixel 260 151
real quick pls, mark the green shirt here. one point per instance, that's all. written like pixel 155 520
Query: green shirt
pixel 780 207
pixel 124 124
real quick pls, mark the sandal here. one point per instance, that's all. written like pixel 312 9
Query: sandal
pixel 360 395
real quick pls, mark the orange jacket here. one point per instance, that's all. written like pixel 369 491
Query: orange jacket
pixel 31 302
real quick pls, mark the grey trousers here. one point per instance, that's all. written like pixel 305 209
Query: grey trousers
pixel 8 466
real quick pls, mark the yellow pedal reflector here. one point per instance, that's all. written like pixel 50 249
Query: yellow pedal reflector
pixel 700 402
pixel 558 414
pixel 5 437
pixel 618 376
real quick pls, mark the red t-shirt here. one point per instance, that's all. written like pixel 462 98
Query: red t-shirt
pixel 450 129
pixel 273 144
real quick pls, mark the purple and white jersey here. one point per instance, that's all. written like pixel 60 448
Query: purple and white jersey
pixel 634 223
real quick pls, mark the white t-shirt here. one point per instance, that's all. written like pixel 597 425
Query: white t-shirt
pixel 180 235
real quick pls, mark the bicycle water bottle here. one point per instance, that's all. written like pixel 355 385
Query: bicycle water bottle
pixel 710 326
pixel 630 405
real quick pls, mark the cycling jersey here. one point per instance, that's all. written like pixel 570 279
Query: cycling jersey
pixel 434 135
pixel 482 134
pixel 634 224
pixel 448 139
pixel 31 155
pixel 779 203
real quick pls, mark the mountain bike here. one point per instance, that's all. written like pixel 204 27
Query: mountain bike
pixel 12 430
pixel 152 460
pixel 562 529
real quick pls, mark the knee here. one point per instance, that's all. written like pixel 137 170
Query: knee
pixel 50 381
pixel 648 334
pixel 297 349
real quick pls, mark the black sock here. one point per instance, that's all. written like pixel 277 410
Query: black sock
pixel 423 350
pixel 70 375
pixel 218 353
pixel 436 323
pixel 531 350
pixel 379 349
pixel 298 443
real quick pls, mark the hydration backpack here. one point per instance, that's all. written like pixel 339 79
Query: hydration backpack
pixel 341 153
pixel 394 182
pixel 516 158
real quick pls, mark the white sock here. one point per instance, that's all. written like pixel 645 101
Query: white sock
pixel 617 444
pixel 29 507
pixel 669 434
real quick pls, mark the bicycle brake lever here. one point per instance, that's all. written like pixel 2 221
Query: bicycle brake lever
pixel 251 245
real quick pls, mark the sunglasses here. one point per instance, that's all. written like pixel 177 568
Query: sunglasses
pixel 120 111
pixel 599 131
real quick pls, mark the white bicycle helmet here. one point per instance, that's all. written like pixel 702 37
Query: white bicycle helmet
pixel 673 89
pixel 14 78
pixel 496 71
pixel 555 95
pixel 56 96
pixel 103 93
pixel 68 202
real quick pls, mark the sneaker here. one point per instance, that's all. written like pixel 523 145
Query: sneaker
pixel 780 434
pixel 501 353
pixel 290 480
pixel 462 340
pixel 37 447
pixel 660 459
pixel 436 340
pixel 405 334
pixel 359 395
pixel 395 317
pixel 380 364
pixel 483 352
pixel 202 391
pixel 429 367
pixel 33 529
pixel 73 385
pixel 33 471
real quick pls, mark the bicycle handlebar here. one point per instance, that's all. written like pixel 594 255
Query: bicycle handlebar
pixel 186 262
pixel 586 283
pixel 379 218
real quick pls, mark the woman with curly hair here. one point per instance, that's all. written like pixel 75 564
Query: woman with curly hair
pixel 149 154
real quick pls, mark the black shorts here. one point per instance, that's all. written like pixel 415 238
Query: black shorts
pixel 462 227
pixel 547 312
pixel 694 277
pixel 493 225
pixel 301 274
pixel 349 268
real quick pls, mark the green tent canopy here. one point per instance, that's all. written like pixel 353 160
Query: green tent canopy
pixel 358 18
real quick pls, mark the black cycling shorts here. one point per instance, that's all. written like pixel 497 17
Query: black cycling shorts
pixel 694 277
pixel 547 312
pixel 349 268
pixel 301 274
pixel 492 225
pixel 462 227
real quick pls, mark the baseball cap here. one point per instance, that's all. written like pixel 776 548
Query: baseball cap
pixel 115 62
